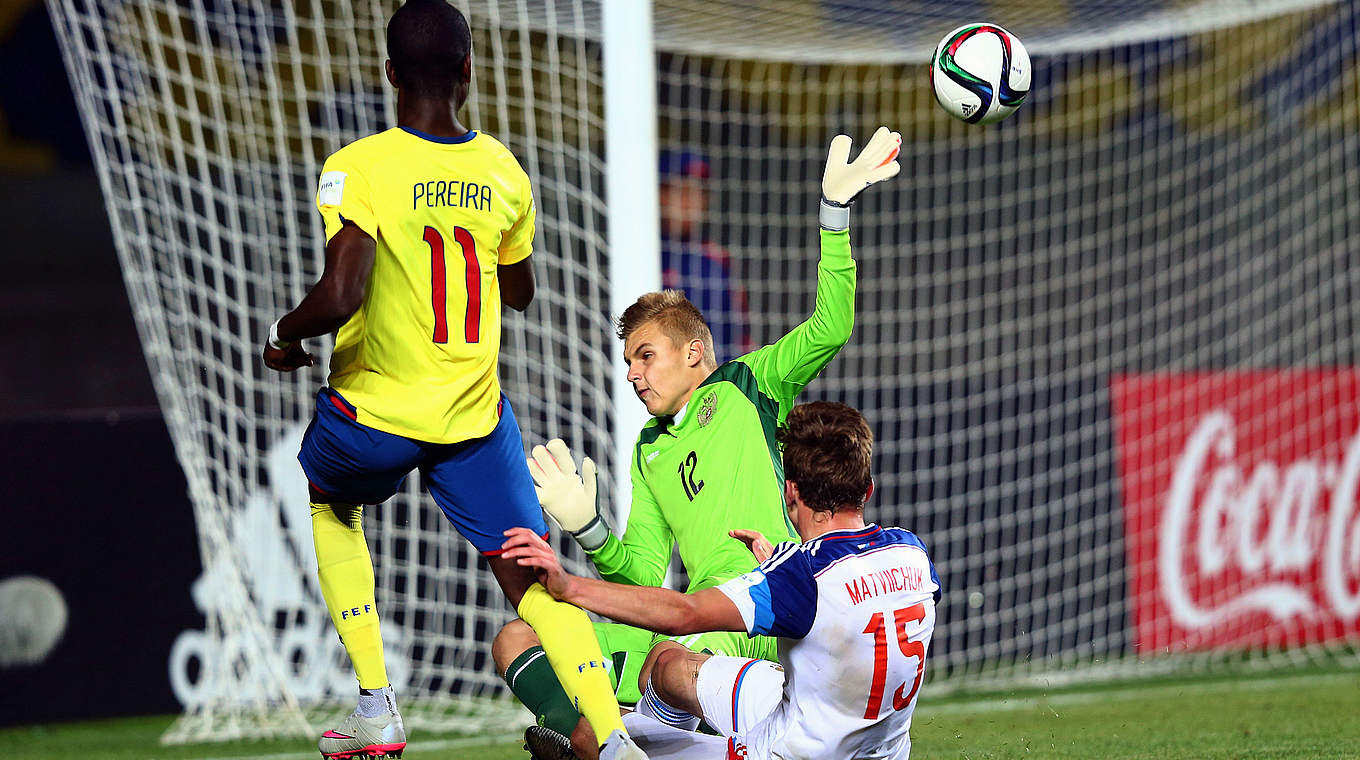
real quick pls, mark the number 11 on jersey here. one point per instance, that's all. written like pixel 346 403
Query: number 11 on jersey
pixel 472 275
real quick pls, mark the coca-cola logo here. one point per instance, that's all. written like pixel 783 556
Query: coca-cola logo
pixel 1276 518
pixel 1241 512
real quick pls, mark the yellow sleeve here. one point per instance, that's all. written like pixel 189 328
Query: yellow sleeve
pixel 518 241
pixel 344 195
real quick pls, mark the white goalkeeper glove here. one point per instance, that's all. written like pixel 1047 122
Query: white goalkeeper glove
pixel 568 498
pixel 843 179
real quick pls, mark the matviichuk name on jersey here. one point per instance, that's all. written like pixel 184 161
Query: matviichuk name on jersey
pixel 870 585
pixel 455 193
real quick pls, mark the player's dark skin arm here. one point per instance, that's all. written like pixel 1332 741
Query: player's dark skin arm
pixel 331 302
pixel 656 609
pixel 517 284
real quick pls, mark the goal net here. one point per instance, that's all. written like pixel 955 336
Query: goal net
pixel 1105 346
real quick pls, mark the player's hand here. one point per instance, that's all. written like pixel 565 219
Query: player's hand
pixel 568 498
pixel 529 550
pixel 755 542
pixel 844 179
pixel 287 359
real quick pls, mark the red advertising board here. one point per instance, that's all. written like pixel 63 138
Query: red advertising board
pixel 1240 506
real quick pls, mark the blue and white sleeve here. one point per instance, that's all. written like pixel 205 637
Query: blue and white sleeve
pixel 779 598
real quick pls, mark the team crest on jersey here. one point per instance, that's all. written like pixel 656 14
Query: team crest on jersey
pixel 707 408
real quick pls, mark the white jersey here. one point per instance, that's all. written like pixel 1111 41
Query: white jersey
pixel 854 611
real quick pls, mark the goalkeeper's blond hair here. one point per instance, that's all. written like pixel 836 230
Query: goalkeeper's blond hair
pixel 674 315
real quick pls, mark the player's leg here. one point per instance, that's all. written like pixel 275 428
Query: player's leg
pixel 345 570
pixel 667 680
pixel 483 507
pixel 347 465
pixel 672 686
pixel 570 647
pixel 521 661
pixel 662 742
pixel 737 693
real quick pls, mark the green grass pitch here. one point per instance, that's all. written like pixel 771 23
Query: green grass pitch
pixel 1292 715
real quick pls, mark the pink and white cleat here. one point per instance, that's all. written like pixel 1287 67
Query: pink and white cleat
pixel 360 737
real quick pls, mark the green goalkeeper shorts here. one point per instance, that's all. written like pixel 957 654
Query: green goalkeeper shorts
pixel 626 647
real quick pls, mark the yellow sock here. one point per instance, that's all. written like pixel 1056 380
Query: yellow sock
pixel 574 653
pixel 346 573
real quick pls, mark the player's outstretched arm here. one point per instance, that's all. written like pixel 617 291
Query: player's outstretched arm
pixel 783 369
pixel 334 299
pixel 656 609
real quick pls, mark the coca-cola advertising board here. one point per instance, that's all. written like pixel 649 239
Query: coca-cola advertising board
pixel 1240 506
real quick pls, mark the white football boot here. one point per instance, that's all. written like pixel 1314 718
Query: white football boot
pixel 620 747
pixel 357 736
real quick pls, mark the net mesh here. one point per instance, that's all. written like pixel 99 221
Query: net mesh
pixel 210 122
pixel 1177 199
pixel 1166 204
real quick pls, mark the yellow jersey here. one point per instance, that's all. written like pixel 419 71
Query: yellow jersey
pixel 418 359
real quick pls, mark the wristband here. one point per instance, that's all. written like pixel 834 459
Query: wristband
pixel 834 216
pixel 593 536
pixel 274 341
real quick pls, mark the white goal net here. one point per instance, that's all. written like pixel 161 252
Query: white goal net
pixel 1106 346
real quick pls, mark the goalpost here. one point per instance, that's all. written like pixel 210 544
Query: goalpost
pixel 1106 346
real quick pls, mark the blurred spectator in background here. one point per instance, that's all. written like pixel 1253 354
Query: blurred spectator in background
pixel 700 267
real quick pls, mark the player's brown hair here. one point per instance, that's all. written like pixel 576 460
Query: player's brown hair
pixel 673 314
pixel 827 452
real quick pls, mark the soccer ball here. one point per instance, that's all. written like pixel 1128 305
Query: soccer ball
pixel 980 73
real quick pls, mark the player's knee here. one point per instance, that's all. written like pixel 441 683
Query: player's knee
pixel 662 650
pixel 673 675
pixel 513 640
pixel 349 515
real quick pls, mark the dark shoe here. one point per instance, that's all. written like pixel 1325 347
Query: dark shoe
pixel 544 743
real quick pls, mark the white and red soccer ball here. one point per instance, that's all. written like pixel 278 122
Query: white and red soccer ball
pixel 980 73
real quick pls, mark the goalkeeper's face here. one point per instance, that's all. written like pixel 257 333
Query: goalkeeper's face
pixel 664 373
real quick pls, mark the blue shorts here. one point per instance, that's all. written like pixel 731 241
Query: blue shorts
pixel 483 484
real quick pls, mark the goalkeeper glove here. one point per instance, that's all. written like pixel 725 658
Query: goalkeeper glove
pixel 568 498
pixel 843 180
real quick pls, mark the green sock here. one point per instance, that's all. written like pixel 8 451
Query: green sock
pixel 531 678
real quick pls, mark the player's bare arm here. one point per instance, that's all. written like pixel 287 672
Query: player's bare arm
pixel 517 284
pixel 334 299
pixel 656 609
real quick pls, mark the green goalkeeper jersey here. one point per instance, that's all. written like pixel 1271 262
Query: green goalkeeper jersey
pixel 716 466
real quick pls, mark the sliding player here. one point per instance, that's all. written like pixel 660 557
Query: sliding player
pixel 429 227
pixel 853 608
pixel 706 462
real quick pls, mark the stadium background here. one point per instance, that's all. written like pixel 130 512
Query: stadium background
pixel 96 500
pixel 84 436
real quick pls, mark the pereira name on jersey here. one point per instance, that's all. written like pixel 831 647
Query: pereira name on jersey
pixel 859 604
pixel 454 193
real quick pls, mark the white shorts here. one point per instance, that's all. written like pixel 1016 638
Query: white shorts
pixel 736 693
pixel 663 742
